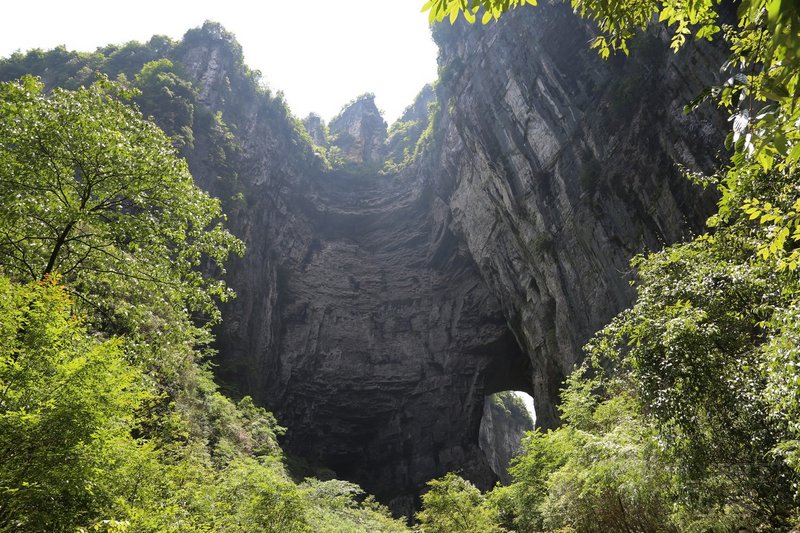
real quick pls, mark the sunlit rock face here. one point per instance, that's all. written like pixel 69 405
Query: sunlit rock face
pixel 377 311
pixel 557 167
pixel 505 421
pixel 359 131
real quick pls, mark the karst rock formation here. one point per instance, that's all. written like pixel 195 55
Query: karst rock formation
pixel 473 248
pixel 377 310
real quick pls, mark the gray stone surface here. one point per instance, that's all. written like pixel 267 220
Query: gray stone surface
pixel 361 321
pixel 505 422
pixel 558 167
pixel 376 312
pixel 359 131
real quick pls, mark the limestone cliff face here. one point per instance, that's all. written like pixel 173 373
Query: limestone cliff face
pixel 359 132
pixel 361 320
pixel 557 167
pixel 388 338
pixel 505 421
pixel 377 312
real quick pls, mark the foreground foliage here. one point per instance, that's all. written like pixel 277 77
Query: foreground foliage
pixel 109 416
pixel 610 468
pixel 453 504
pixel 66 407
pixel 90 190
pixel 76 451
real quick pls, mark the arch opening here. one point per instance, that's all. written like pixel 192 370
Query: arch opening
pixel 507 416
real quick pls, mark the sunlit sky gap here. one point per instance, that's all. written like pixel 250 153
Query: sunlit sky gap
pixel 321 54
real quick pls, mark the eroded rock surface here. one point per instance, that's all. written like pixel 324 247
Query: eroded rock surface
pixel 558 167
pixel 505 422
pixel 359 131
pixel 376 312
pixel 361 320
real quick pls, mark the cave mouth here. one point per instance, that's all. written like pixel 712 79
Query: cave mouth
pixel 507 416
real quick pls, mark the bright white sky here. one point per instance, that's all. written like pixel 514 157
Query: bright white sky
pixel 320 53
pixel 527 399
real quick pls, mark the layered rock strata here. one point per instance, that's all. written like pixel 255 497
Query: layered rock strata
pixel 557 167
pixel 377 311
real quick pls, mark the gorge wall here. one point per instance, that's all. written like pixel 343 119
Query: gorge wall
pixel 557 167
pixel 377 310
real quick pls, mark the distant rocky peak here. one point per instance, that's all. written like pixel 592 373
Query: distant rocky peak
pixel 316 129
pixel 405 133
pixel 210 55
pixel 420 109
pixel 359 131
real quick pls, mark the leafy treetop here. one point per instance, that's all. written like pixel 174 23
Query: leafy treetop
pixel 89 189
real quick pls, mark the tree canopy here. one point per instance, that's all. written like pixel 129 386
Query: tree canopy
pixel 110 420
pixel 454 505
pixel 91 191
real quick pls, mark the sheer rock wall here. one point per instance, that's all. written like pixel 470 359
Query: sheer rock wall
pixel 376 312
pixel 558 167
